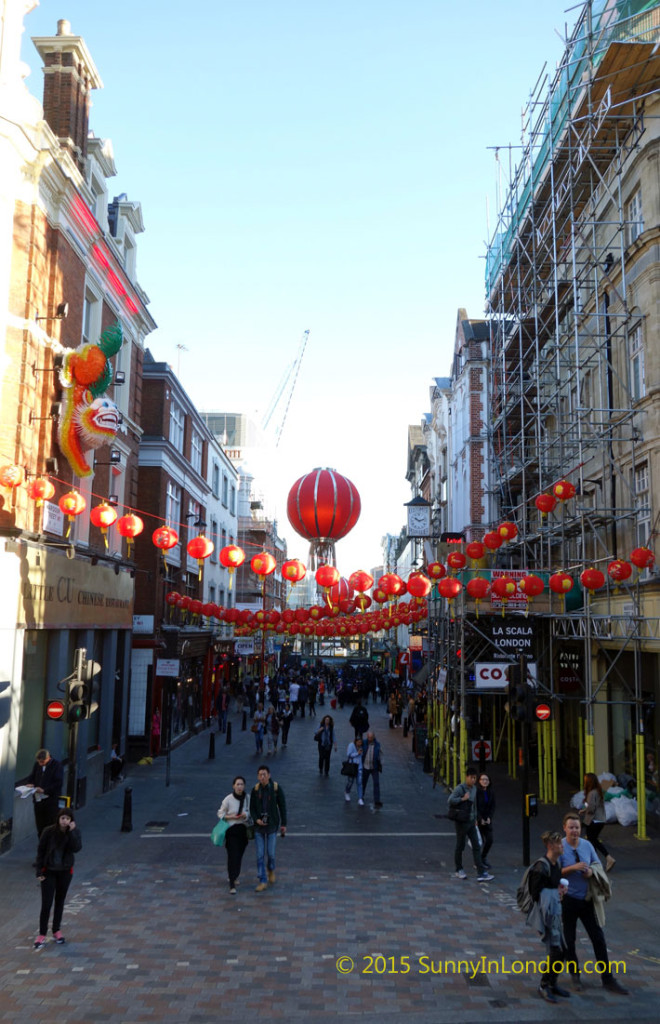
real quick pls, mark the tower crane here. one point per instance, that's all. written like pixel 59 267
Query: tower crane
pixel 281 400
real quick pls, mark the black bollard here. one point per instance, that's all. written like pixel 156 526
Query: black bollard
pixel 244 722
pixel 228 740
pixel 405 728
pixel 427 767
pixel 127 820
pixel 211 746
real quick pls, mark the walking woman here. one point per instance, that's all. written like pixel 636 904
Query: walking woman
pixel 258 726
pixel 594 817
pixel 55 857
pixel 354 756
pixel 272 730
pixel 235 809
pixel 485 800
pixel 325 737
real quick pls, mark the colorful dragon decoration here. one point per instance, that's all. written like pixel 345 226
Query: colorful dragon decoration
pixel 88 419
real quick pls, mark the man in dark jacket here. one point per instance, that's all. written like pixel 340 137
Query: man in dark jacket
pixel 545 873
pixel 464 815
pixel 268 812
pixel 372 766
pixel 46 777
pixel 359 719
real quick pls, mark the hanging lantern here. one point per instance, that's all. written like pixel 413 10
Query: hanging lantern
pixel 363 601
pixel 392 585
pixel 12 476
pixel 341 591
pixel 130 526
pixel 504 587
pixel 531 586
pixel 72 504
pixel 164 537
pixel 379 596
pixel 200 548
pixel 507 531
pixel 323 506
pixel 478 589
pixel 475 550
pixel 293 571
pixel 264 564
pixel 316 612
pixel 563 490
pixel 561 583
pixel 40 489
pixel 103 516
pixel 361 581
pixel 456 560
pixel 619 571
pixel 592 580
pixel 450 588
pixel 326 576
pixel 171 600
pixel 231 557
pixel 545 503
pixel 642 558
pixel 436 570
pixel 419 586
pixel 492 540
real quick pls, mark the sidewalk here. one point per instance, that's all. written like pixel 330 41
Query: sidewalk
pixel 153 934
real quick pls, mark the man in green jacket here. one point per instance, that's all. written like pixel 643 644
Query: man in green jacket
pixel 462 811
pixel 268 812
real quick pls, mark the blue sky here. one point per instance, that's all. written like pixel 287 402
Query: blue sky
pixel 303 164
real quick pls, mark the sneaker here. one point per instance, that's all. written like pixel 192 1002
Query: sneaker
pixel 271 877
pixel 547 994
pixel 461 874
pixel 614 986
pixel 378 804
pixel 232 890
pixel 609 862
pixel 59 938
pixel 347 798
pixel 360 803
pixel 485 876
pixel 40 942
pixel 261 887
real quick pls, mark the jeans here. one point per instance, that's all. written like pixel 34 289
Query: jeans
pixel 467 830
pixel 55 884
pixel 367 773
pixel 265 845
pixel 572 911
pixel 324 759
pixel 356 778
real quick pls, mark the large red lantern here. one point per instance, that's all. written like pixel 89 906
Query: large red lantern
pixel 40 490
pixel 475 550
pixel 477 589
pixel 592 579
pixel 450 588
pixel 200 548
pixel 507 531
pixel 72 504
pixel 419 586
pixel 293 571
pixel 619 571
pixel 361 581
pixel 103 516
pixel 392 585
pixel 326 576
pixel 561 583
pixel 456 560
pixel 341 591
pixel 642 558
pixel 323 506
pixel 129 526
pixel 545 503
pixel 564 490
pixel 165 538
pixel 12 476
pixel 492 540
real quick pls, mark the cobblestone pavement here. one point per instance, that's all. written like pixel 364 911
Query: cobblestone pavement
pixel 153 934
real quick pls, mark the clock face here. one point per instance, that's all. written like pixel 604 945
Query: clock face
pixel 418 522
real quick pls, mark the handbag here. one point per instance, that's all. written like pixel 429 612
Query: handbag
pixel 460 813
pixel 350 769
pixel 219 832
pixel 254 727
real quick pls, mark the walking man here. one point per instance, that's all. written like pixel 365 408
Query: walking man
pixel 462 811
pixel 372 766
pixel 546 889
pixel 578 863
pixel 268 812
pixel 46 777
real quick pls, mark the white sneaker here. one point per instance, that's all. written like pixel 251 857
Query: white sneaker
pixel 347 798
pixel 361 803
pixel 461 874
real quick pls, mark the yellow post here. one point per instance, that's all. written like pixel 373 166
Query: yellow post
pixel 540 752
pixel 554 762
pixel 464 749
pixel 589 751
pixel 581 727
pixel 641 788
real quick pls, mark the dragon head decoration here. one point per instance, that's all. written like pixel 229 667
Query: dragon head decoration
pixel 88 419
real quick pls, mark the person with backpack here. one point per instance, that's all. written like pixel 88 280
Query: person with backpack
pixel 462 811
pixel 268 812
pixel 545 888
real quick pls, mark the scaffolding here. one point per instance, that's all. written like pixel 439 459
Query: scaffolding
pixel 571 303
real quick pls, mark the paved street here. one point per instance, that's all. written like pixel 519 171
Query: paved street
pixel 153 934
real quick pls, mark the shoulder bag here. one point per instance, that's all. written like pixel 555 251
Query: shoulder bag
pixel 219 832
pixel 349 768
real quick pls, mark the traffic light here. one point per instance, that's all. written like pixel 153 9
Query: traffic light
pixel 79 689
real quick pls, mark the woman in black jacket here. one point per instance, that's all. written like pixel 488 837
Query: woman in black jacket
pixel 55 858
pixel 485 810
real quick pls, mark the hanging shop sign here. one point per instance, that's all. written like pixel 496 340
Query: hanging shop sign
pixel 243 648
pixel 169 668
pixel 511 636
pixel 493 675
pixel 143 624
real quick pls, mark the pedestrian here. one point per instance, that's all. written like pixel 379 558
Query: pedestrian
pixel 302 698
pixel 258 726
pixel 547 890
pixel 325 737
pixel 272 730
pixel 322 692
pixel 268 812
pixel 372 766
pixel 354 756
pixel 222 707
pixel 285 721
pixel 235 810
pixel 116 764
pixel 578 862
pixel 359 719
pixel 155 733
pixel 311 698
pixel 593 816
pixel 485 811
pixel 55 858
pixel 391 707
pixel 46 776
pixel 462 811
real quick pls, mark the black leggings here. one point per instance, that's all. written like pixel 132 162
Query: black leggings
pixel 235 841
pixel 593 831
pixel 324 758
pixel 55 884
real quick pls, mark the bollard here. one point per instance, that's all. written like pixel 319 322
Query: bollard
pixel 228 740
pixel 244 723
pixel 405 727
pixel 127 822
pixel 211 746
pixel 427 767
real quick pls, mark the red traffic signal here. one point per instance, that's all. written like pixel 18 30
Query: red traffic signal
pixel 55 709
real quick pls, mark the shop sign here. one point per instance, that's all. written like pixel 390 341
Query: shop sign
pixel 168 667
pixel 243 648
pixel 52 519
pixel 143 624
pixel 493 675
pixel 511 635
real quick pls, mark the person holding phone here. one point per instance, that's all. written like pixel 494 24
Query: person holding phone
pixel 58 845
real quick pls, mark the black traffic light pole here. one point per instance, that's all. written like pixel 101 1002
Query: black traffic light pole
pixel 524 774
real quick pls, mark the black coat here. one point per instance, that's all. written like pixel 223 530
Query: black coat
pixel 57 848
pixel 49 778
pixel 485 801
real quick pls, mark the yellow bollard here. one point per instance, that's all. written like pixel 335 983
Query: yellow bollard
pixel 581 728
pixel 641 788
pixel 554 762
pixel 540 752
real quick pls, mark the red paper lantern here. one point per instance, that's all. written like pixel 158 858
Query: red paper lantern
pixel 492 540
pixel 436 570
pixel 231 557
pixel 196 607
pixel 103 516
pixel 361 581
pixel 618 570
pixel 326 576
pixel 323 506
pixel 164 537
pixel 531 585
pixel 392 585
pixel 130 526
pixel 12 476
pixel 592 579
pixel 263 564
pixel 379 596
pixel 340 591
pixel 642 558
pixel 545 503
pixel 477 589
pixel 200 548
pixel 507 531
pixel 363 601
pixel 504 587
pixel 475 550
pixel 302 614
pixel 561 583
pixel 456 560
pixel 419 585
pixel 316 612
pixel 72 504
pixel 40 490
pixel 293 570
pixel 450 588
pixel 563 490
pixel 171 598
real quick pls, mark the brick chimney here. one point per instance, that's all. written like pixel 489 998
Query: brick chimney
pixel 69 77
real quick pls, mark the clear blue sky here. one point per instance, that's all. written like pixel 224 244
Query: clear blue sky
pixel 313 164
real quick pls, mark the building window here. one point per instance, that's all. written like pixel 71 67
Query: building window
pixel 177 424
pixel 211 595
pixel 196 447
pixel 642 504
pixel 215 480
pixel 636 354
pixel 232 500
pixel 224 539
pixel 221 598
pixel 634 217
pixel 214 540
pixel 225 490
pixel 173 506
pixel 91 317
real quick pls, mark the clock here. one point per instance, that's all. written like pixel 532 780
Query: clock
pixel 419 520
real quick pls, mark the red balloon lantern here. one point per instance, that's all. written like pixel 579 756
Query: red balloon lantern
pixel 323 506
pixel 361 581
pixel 129 526
pixel 419 586
pixel 642 558
pixel 563 490
pixel 392 585
pixel 450 588
pixel 72 504
pixel 456 560
pixel 492 540
pixel 379 596
pixel 363 601
pixel 341 591
pixel 436 570
pixel 507 531
pixel 12 476
pixel 326 577
pixel 200 548
pixel 478 589
pixel 475 550
pixel 40 490
pixel 231 557
pixel 165 538
pixel 103 516
pixel 592 580
pixel 545 503
pixel 619 571
pixel 293 571
pixel 504 587
pixel 263 564
pixel 531 585
pixel 561 583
